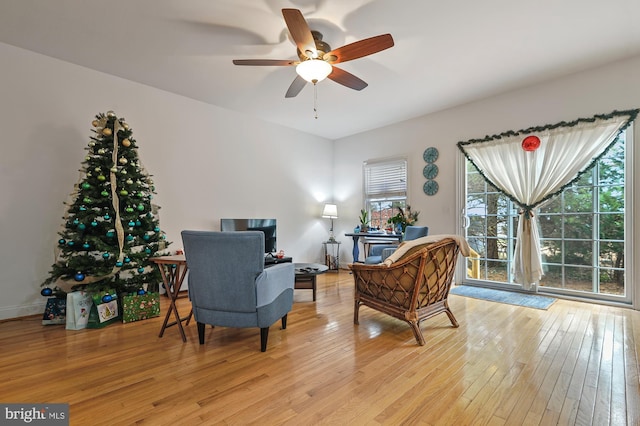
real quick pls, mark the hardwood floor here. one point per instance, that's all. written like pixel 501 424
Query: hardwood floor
pixel 575 363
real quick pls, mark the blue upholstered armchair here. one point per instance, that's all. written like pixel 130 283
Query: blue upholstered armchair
pixel 380 252
pixel 229 286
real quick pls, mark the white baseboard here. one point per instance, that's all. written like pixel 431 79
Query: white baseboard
pixel 10 312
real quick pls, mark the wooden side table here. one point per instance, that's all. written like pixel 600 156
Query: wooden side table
pixel 332 257
pixel 306 276
pixel 173 270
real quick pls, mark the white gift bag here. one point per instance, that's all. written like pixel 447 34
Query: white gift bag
pixel 78 308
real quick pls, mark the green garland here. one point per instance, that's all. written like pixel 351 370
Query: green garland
pixel 632 113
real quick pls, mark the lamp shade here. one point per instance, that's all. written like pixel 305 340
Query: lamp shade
pixel 330 211
pixel 314 70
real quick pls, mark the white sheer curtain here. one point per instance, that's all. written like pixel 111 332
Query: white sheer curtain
pixel 531 177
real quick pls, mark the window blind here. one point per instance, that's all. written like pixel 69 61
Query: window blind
pixel 385 179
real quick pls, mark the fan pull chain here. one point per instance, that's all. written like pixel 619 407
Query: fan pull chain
pixel 315 100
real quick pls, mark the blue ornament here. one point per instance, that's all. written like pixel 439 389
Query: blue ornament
pixel 110 234
pixel 119 264
pixel 146 237
pixel 107 298
pixel 129 237
pixel 46 291
pixel 83 208
pixel 61 241
pixel 127 260
pixel 140 270
pixel 79 276
pixel 147 250
pixel 132 223
pixel 105 255
pixel 156 229
pixel 106 216
pixel 141 292
pixel 94 223
pixel 70 243
pixel 82 226
pixel 76 221
pixel 86 246
pixel 138 223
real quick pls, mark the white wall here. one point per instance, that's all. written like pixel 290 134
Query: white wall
pixel 601 90
pixel 207 163
pixel 210 163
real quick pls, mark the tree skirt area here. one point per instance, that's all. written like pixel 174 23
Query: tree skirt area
pixel 501 296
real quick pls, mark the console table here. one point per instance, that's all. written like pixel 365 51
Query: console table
pixel 356 237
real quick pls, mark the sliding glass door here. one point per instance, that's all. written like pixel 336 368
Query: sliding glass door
pixel 584 232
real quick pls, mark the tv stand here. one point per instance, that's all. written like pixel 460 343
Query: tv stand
pixel 272 260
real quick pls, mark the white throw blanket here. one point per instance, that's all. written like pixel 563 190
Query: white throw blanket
pixel 405 246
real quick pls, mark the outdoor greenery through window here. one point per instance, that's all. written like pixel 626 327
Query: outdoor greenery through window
pixel 385 189
pixel 582 230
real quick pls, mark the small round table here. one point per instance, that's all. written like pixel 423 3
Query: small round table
pixel 306 276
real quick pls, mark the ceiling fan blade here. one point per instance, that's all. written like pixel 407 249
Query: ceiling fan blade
pixel 296 86
pixel 359 49
pixel 265 62
pixel 300 32
pixel 347 79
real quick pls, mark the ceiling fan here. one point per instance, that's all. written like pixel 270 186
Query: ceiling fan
pixel 317 60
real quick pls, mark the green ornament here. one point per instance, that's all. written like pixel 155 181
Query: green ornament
pixel 124 192
pixel 102 178
pixel 86 186
pixel 140 207
pixel 87 200
pixel 105 193
pixel 129 209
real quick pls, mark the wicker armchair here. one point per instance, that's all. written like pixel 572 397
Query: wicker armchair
pixel 414 285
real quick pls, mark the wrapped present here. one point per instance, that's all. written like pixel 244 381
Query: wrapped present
pixel 137 307
pixel 78 307
pixel 55 312
pixel 104 310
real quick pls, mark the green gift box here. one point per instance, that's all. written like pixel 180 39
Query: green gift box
pixel 137 307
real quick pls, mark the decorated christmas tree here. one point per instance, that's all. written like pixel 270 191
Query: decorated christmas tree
pixel 111 228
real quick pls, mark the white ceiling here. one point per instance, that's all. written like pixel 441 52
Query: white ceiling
pixel 446 53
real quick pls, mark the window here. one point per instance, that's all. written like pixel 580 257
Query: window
pixel 385 189
pixel 582 231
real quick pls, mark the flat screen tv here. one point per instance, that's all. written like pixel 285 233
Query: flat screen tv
pixel 267 226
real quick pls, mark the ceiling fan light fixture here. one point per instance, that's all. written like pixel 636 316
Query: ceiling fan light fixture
pixel 314 70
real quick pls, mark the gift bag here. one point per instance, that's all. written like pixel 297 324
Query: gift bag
pixel 78 308
pixel 104 310
pixel 137 307
pixel 55 312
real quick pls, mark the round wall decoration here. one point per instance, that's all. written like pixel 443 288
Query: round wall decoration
pixel 430 155
pixel 430 187
pixel 430 171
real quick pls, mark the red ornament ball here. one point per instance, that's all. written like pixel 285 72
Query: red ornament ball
pixel 531 143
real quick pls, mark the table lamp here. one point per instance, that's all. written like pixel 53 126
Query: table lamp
pixel 330 211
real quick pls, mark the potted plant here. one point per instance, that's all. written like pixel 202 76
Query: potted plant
pixel 403 219
pixel 364 220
